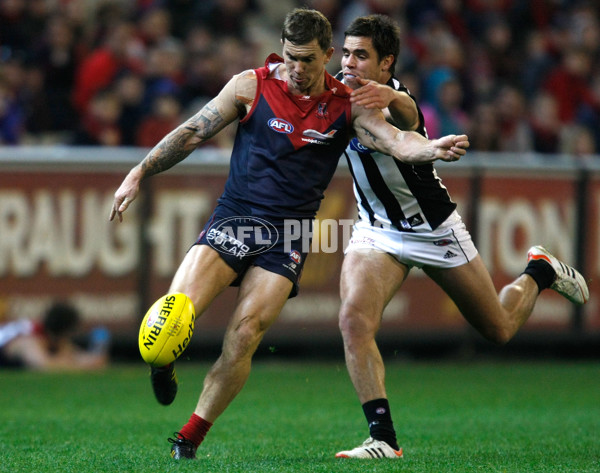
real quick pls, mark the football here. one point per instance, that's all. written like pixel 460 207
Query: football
pixel 167 329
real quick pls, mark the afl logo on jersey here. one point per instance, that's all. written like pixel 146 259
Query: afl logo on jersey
pixel 280 125
pixel 356 146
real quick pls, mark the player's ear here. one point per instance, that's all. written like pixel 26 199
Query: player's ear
pixel 329 54
pixel 387 62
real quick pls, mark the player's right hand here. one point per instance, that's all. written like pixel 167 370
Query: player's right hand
pixel 124 196
pixel 372 94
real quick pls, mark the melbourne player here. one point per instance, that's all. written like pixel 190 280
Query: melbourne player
pixel 294 122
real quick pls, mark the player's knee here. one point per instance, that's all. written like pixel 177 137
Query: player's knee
pixel 249 327
pixel 355 323
pixel 245 337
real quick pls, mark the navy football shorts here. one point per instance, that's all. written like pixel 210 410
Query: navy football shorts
pixel 272 244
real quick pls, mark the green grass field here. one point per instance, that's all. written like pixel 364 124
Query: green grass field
pixel 292 417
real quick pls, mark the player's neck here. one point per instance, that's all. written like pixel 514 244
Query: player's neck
pixel 385 78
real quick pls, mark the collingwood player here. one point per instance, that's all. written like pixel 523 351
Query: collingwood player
pixel 406 219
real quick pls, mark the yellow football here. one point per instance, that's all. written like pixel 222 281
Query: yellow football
pixel 167 329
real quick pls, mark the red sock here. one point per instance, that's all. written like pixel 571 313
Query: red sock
pixel 195 430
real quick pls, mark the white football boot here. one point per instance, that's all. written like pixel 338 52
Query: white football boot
pixel 371 448
pixel 569 282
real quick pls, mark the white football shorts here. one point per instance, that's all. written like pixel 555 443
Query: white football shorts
pixel 448 246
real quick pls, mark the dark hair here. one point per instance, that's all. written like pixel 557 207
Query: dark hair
pixel 383 31
pixel 302 25
pixel 60 319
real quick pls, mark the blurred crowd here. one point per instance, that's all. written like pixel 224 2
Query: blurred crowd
pixel 516 75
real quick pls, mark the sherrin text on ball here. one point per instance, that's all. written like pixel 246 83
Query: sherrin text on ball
pixel 166 329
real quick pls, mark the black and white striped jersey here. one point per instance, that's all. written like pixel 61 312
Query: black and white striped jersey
pixel 408 197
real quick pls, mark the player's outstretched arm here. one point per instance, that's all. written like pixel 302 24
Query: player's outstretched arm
pixel 407 146
pixel 178 144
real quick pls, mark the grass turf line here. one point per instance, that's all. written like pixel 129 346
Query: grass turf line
pixel 293 417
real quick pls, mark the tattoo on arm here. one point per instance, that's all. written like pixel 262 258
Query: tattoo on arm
pixel 180 143
pixel 370 135
pixel 165 154
pixel 206 123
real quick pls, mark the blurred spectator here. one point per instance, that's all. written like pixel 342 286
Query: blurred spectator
pixel 57 58
pixel 503 58
pixel 330 8
pixel 232 52
pixel 430 114
pixel 48 345
pixel 545 124
pixel 35 102
pixel 164 72
pixel 569 84
pixel 36 19
pixel 452 13
pixel 154 27
pixel 225 17
pixel 202 61
pixel 584 27
pixel 183 16
pixel 452 117
pixel 579 142
pixel 537 61
pixel 166 116
pixel 589 115
pixel 13 32
pixel 442 61
pixel 514 131
pixel 98 70
pixel 12 118
pixel 131 90
pixel 483 129
pixel 100 124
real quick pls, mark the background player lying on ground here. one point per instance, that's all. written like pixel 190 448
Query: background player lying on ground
pixel 295 121
pixel 406 219
pixel 48 345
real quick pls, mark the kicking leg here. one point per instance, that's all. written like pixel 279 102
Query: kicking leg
pixel 499 317
pixel 202 275
pixel 496 316
pixel 262 296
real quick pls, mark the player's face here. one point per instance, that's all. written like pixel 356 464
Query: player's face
pixel 359 59
pixel 305 66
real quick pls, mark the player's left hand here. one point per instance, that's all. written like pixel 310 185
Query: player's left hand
pixel 372 94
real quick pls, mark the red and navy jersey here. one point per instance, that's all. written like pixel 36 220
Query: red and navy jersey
pixel 287 147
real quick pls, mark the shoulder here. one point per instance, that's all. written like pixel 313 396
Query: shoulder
pixel 337 87
pixel 270 67
pixel 395 84
pixel 241 88
pixel 247 76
